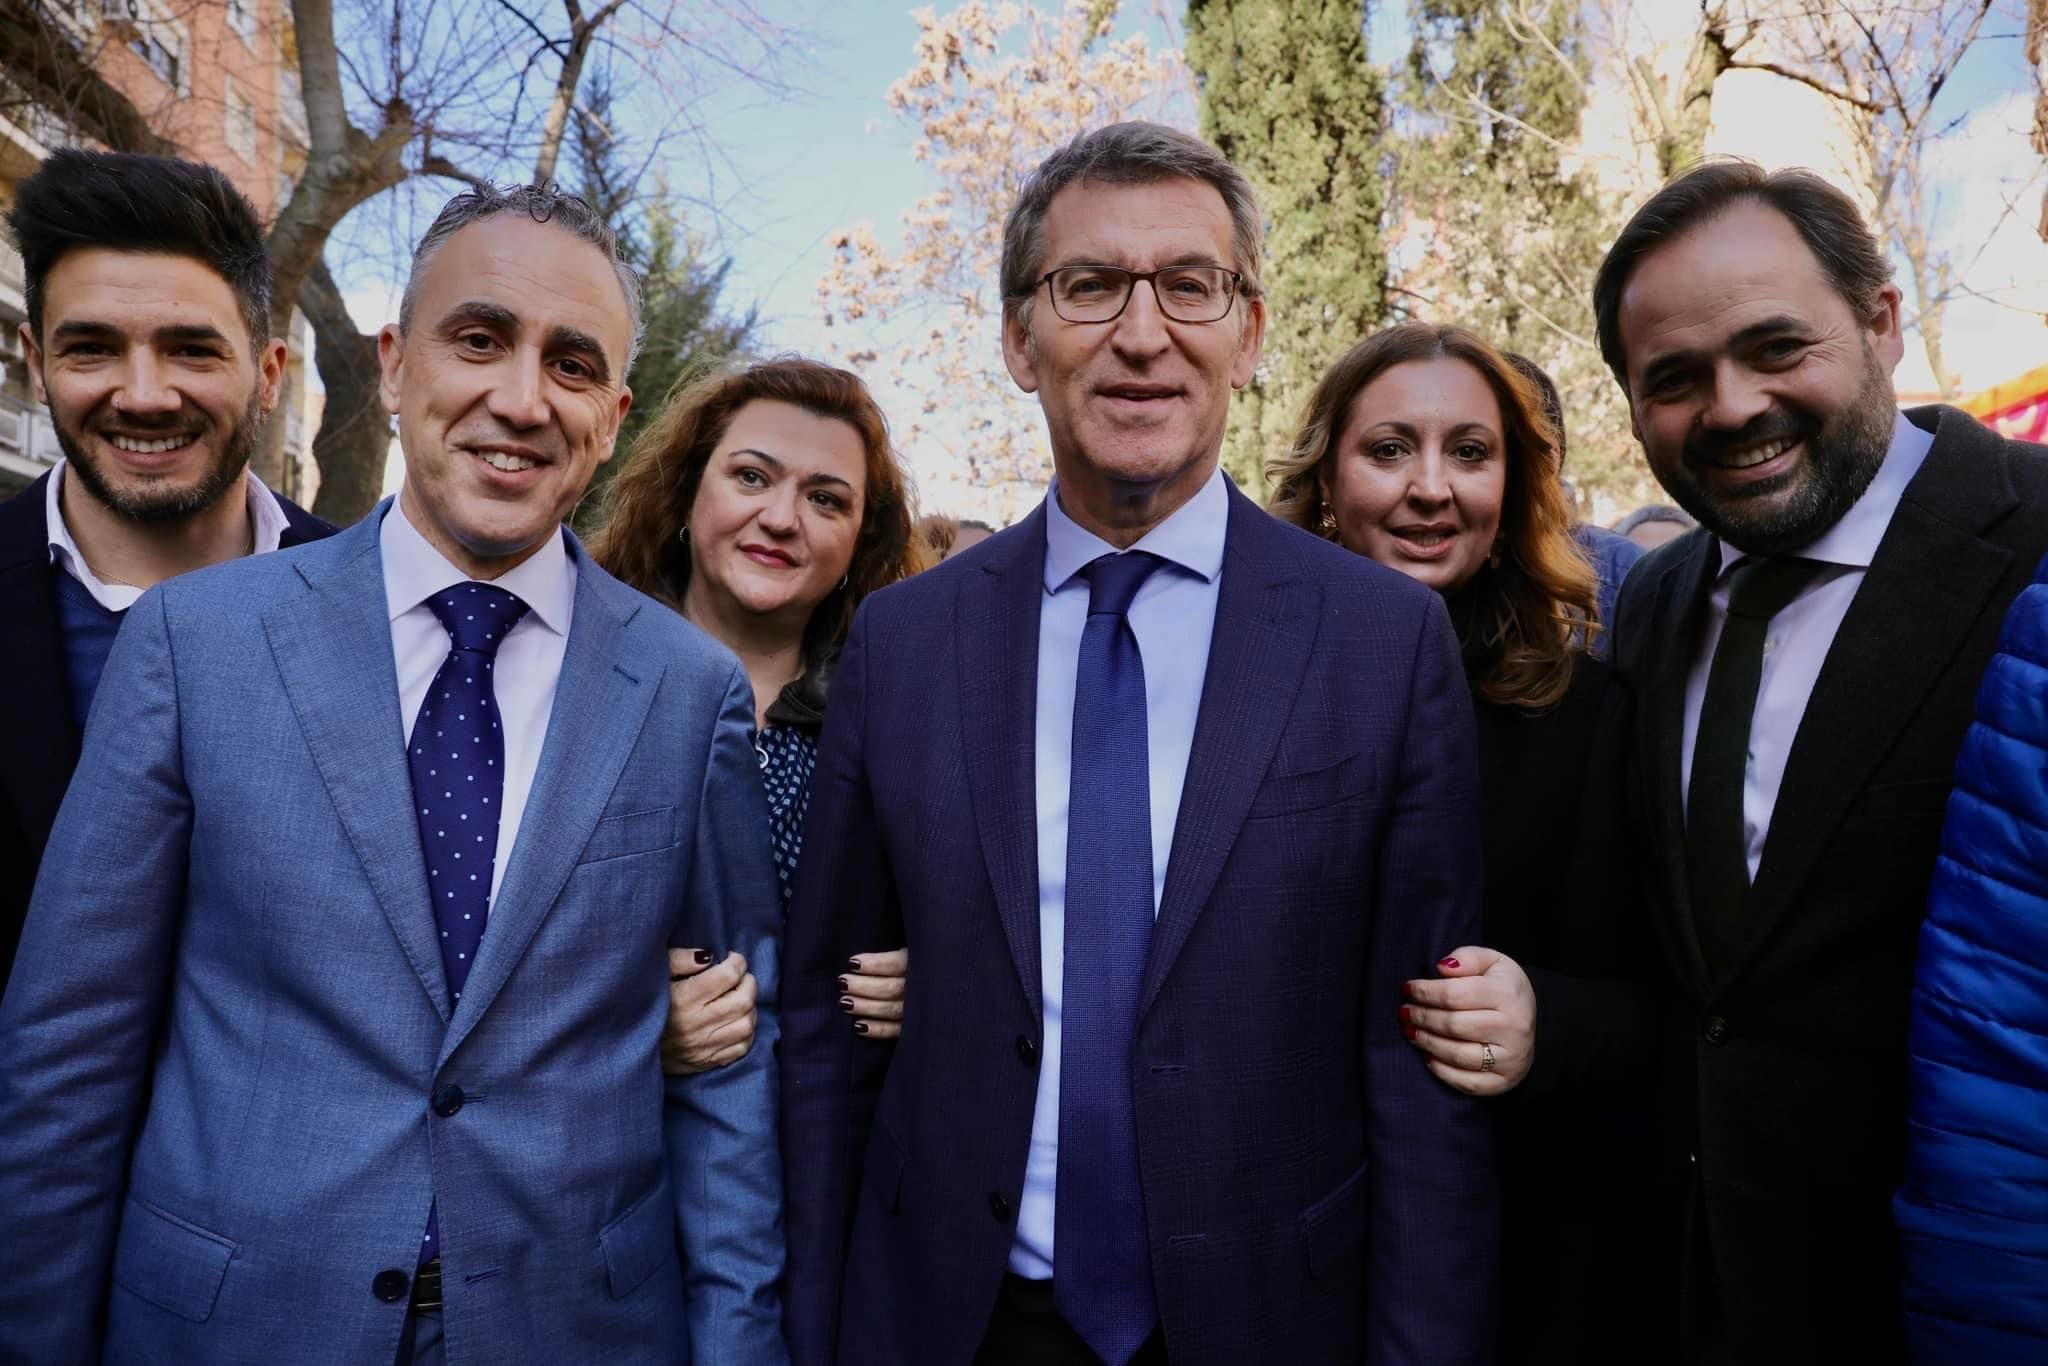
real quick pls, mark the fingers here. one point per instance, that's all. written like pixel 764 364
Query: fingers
pixel 860 1009
pixel 1457 993
pixel 712 986
pixel 1467 960
pixel 879 1030
pixel 870 988
pixel 687 963
pixel 1469 1083
pixel 1474 1026
pixel 895 963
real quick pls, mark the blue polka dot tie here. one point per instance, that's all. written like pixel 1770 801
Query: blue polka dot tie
pixel 457 755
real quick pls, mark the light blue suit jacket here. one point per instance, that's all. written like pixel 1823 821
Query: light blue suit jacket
pixel 228 1013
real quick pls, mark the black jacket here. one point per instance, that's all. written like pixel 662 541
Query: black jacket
pixel 1783 1075
pixel 39 743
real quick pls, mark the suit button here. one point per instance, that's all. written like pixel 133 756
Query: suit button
pixel 390 1285
pixel 1716 1030
pixel 1027 1051
pixel 448 1100
pixel 999 1206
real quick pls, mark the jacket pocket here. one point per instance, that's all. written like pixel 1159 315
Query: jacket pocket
pixel 1334 1227
pixel 637 1242
pixel 632 832
pixel 882 1174
pixel 1287 794
pixel 175 1265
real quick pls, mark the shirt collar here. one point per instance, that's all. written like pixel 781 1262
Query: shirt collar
pixel 414 571
pixel 266 515
pixel 1853 540
pixel 1191 537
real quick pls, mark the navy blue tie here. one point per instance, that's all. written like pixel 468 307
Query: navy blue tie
pixel 1102 1280
pixel 457 755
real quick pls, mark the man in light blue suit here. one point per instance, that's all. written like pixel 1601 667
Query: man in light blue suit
pixel 333 1032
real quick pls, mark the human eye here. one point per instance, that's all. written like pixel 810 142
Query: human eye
pixel 1190 284
pixel 1778 350
pixel 574 369
pixel 830 502
pixel 1471 452
pixel 1385 449
pixel 476 342
pixel 750 477
pixel 1085 283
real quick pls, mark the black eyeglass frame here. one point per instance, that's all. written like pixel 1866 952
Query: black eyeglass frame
pixel 1136 277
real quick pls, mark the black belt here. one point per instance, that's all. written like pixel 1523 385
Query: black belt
pixel 426 1288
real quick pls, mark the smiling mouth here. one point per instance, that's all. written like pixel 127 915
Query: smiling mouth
pixel 136 445
pixel 1749 457
pixel 1426 538
pixel 509 464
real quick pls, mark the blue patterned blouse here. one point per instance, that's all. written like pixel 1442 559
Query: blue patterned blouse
pixel 788 756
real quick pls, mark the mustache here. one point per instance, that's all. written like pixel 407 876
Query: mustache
pixel 1775 425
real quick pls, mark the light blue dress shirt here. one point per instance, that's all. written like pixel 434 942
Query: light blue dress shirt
pixel 1173 616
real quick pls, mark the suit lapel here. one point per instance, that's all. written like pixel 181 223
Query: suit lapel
pixel 998 611
pixel 1681 604
pixel 1264 634
pixel 336 664
pixel 601 703
pixel 1924 592
pixel 39 746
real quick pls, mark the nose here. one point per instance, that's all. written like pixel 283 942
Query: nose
pixel 777 514
pixel 1429 481
pixel 144 389
pixel 1737 398
pixel 519 396
pixel 1141 330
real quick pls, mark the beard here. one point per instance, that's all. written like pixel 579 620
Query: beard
pixel 1843 452
pixel 160 502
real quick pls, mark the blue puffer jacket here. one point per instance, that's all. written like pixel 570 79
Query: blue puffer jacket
pixel 1974 1208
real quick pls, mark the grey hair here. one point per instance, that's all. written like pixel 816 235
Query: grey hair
pixel 1654 512
pixel 544 204
pixel 1126 154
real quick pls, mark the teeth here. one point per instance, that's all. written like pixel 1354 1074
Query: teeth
pixel 1426 538
pixel 1756 455
pixel 511 464
pixel 140 447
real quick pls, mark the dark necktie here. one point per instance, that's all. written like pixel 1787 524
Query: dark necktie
pixel 1102 1277
pixel 1716 840
pixel 457 756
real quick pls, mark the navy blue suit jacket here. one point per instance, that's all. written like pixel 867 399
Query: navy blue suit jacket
pixel 1312 1193
pixel 39 745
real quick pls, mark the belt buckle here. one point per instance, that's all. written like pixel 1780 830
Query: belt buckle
pixel 426 1287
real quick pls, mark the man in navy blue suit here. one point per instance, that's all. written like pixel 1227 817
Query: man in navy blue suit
pixel 1167 799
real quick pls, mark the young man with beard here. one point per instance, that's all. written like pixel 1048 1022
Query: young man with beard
pixel 148 335
pixel 1805 663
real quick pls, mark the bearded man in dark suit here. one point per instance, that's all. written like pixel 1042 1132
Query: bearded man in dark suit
pixel 1805 663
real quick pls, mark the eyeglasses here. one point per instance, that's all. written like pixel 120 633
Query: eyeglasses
pixel 1099 294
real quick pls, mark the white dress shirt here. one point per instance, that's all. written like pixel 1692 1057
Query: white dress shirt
pixel 1800 635
pixel 265 514
pixel 1173 617
pixel 529 658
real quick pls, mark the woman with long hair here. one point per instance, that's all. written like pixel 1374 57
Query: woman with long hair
pixel 1426 450
pixel 764 503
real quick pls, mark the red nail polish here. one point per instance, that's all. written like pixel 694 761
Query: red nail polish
pixel 703 957
pixel 1409 1030
pixel 860 1026
pixel 1404 1015
pixel 846 1003
pixel 854 964
pixel 1447 962
pixel 842 984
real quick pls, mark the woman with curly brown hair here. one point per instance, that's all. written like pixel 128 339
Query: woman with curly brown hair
pixel 1425 449
pixel 763 504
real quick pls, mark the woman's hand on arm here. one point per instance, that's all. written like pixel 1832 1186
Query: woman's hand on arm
pixel 1475 1023
pixel 710 1012
pixel 872 992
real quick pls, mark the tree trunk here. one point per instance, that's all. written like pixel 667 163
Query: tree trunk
pixel 355 435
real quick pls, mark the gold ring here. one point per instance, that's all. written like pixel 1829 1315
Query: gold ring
pixel 1486 1058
